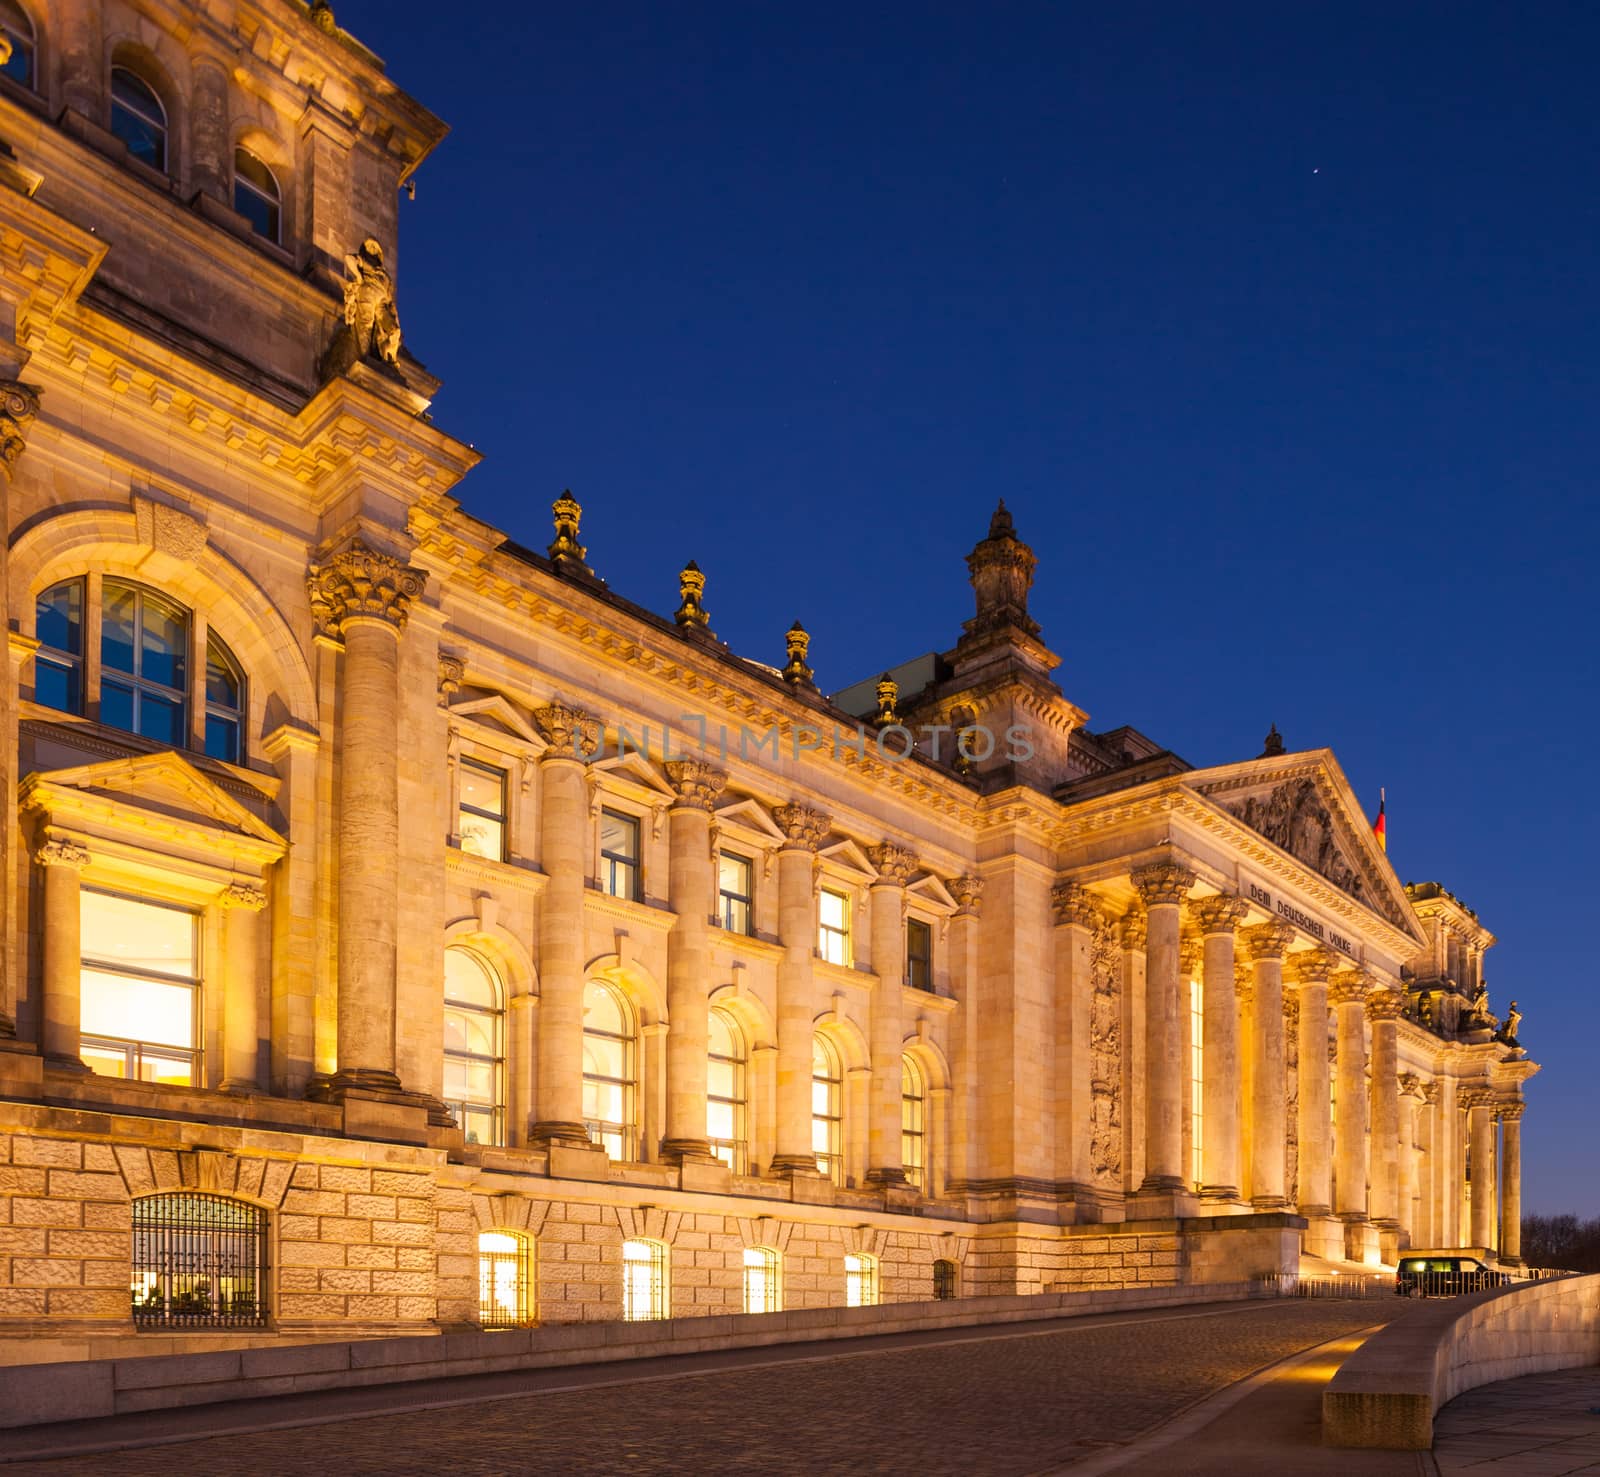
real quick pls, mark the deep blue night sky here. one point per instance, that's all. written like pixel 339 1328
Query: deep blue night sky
pixel 1274 325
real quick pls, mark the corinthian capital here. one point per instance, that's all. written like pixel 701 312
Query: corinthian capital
pixel 19 406
pixel 1219 914
pixel 1411 1086
pixel 698 784
pixel 570 732
pixel 1074 903
pixel 968 893
pixel 894 864
pixel 1312 966
pixel 1430 1092
pixel 245 895
pixel 1268 940
pixel 1384 1004
pixel 1162 882
pixel 1349 987
pixel 1509 1112
pixel 359 583
pixel 802 827
pixel 56 852
pixel 1135 927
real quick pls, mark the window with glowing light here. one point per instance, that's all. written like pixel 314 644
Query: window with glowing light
pixel 725 1092
pixel 833 926
pixel 619 855
pixel 913 1118
pixel 505 1280
pixel 481 810
pixel 474 1046
pixel 139 989
pixel 761 1293
pixel 827 1112
pixel 734 891
pixel 610 1083
pixel 644 1280
pixel 860 1281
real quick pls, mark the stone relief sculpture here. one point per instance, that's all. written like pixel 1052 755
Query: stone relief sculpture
pixel 1105 1066
pixel 1291 1118
pixel 371 325
pixel 1294 817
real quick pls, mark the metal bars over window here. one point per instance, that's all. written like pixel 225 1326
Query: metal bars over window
pixel 199 1261
pixel 505 1280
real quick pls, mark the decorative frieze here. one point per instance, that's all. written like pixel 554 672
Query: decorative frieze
pixel 359 583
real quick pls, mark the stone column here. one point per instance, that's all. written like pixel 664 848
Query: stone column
pixel 894 866
pixel 1075 918
pixel 62 861
pixel 1426 1233
pixel 1134 933
pixel 362 597
pixel 82 60
pixel 572 737
pixel 1268 942
pixel 1311 970
pixel 804 831
pixel 1383 1010
pixel 210 161
pixel 1217 918
pixel 241 906
pixel 1163 886
pixel 1480 1126
pixel 1511 1182
pixel 1347 992
pixel 692 890
pixel 1446 1167
pixel 1409 1210
pixel 968 893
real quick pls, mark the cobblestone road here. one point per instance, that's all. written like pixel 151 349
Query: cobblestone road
pixel 991 1404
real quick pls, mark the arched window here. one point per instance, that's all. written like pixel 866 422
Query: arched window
pixel 644 1280
pixel 19 66
pixel 913 1117
pixel 140 677
pixel 609 1080
pixel 761 1293
pixel 505 1280
pixel 725 1093
pixel 860 1281
pixel 827 1112
pixel 138 118
pixel 944 1280
pixel 256 195
pixel 474 1054
pixel 199 1261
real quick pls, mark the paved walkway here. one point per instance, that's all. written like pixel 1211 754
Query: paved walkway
pixel 1543 1425
pixel 1014 1400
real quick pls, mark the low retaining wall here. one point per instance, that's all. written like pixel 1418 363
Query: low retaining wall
pixel 41 1393
pixel 1387 1392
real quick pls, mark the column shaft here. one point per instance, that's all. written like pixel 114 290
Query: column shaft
pixel 210 166
pixel 63 953
pixel 1511 1184
pixel 1408 1211
pixel 1311 1071
pixel 1220 1096
pixel 1163 888
pixel 1383 1009
pixel 1480 1118
pixel 884 1162
pixel 797 932
pixel 1350 1125
pixel 1269 1068
pixel 563 828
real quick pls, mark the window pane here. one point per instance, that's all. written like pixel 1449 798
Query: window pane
pixel 480 837
pixel 831 908
pixel 136 1010
pixel 222 738
pixel 720 1040
pixel 137 119
pixel 161 719
pixel 603 1057
pixel 605 1102
pixel 619 835
pixel 116 705
pixel 19 65
pixel 468 1081
pixel 466 1030
pixel 721 1079
pixel 137 936
pixel 105 1061
pixel 720 1121
pixel 54 685
pixel 468 980
pixel 602 1010
pixel 60 617
pixel 733 874
pixel 483 789
pixel 172 1071
pixel 163 644
pixel 222 678
pixel 735 915
pixel 117 618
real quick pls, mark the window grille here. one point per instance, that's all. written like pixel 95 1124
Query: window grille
pixel 644 1280
pixel 761 1280
pixel 944 1280
pixel 505 1280
pixel 860 1281
pixel 199 1261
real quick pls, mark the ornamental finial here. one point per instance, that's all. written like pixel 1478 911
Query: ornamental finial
pixel 797 643
pixel 1001 569
pixel 566 553
pixel 691 610
pixel 888 696
pixel 1273 746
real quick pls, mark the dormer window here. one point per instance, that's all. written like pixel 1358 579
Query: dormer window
pixel 256 195
pixel 19 32
pixel 138 119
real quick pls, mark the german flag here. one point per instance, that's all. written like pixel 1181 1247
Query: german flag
pixel 1380 827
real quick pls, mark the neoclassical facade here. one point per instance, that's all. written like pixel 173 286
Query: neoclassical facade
pixel 403 930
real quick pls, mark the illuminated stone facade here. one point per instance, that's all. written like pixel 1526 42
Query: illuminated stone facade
pixel 354 882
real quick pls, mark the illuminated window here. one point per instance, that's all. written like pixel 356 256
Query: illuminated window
pixel 1197 1072
pixel 827 1095
pixel 644 1280
pixel 609 1083
pixel 733 891
pixel 199 1261
pixel 833 927
pixel 142 666
pixel 944 1280
pixel 481 811
pixel 860 1281
pixel 474 1033
pixel 139 985
pixel 919 954
pixel 505 1280
pixel 913 1115
pixel 725 1093
pixel 138 119
pixel 761 1280
pixel 19 31
pixel 619 855
pixel 256 195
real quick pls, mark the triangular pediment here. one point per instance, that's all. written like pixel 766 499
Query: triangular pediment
pixel 751 816
pixel 633 768
pixel 164 782
pixel 929 887
pixel 1303 805
pixel 848 856
pixel 499 716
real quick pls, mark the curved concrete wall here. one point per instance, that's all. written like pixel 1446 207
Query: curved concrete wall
pixel 1387 1392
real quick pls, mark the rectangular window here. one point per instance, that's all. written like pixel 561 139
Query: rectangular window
pixel 481 811
pixel 139 989
pixel 644 1280
pixel 733 889
pixel 619 855
pixel 833 927
pixel 1197 1072
pixel 860 1282
pixel 919 954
